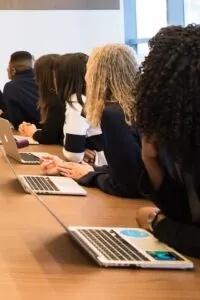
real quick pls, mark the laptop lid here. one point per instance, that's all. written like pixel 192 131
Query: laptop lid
pixel 8 141
pixel 127 247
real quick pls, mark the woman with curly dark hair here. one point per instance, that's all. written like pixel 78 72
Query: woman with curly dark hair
pixel 168 115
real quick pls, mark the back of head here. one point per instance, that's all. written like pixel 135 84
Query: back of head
pixel 44 71
pixel 70 76
pixel 111 77
pixel 168 92
pixel 20 61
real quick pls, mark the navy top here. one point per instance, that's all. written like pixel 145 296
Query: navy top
pixel 52 129
pixel 122 149
pixel 20 97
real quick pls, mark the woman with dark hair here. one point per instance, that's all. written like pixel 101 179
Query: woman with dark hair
pixel 79 135
pixel 168 115
pixel 50 106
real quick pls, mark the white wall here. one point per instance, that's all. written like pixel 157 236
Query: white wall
pixel 42 32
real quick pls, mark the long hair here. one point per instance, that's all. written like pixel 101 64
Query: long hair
pixel 111 77
pixel 168 93
pixel 44 68
pixel 70 77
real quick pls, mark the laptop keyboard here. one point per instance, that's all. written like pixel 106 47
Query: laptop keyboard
pixel 112 245
pixel 41 183
pixel 29 157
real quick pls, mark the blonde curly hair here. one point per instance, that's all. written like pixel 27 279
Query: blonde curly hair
pixel 111 77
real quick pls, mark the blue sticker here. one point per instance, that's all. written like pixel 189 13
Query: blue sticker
pixel 134 233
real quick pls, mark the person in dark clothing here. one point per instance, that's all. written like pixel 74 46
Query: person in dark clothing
pixel 3 113
pixel 111 77
pixel 168 106
pixel 2 104
pixel 20 94
pixel 52 110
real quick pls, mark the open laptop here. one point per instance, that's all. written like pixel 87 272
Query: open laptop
pixel 9 144
pixel 127 247
pixel 50 185
pixel 47 185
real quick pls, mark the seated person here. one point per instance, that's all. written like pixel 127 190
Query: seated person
pixel 168 106
pixel 20 95
pixel 79 135
pixel 2 104
pixel 111 80
pixel 52 110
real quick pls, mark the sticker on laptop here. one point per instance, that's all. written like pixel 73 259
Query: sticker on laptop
pixel 134 233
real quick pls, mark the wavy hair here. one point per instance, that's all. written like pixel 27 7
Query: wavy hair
pixel 111 77
pixel 168 93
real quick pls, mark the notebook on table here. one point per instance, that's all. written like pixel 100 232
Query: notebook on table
pixel 11 150
pixel 127 247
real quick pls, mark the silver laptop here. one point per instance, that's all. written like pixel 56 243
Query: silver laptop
pixel 9 144
pixel 127 247
pixel 47 185
pixel 52 185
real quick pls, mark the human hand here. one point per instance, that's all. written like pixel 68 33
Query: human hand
pixel 143 214
pixel 74 170
pixel 89 156
pixel 27 129
pixel 49 164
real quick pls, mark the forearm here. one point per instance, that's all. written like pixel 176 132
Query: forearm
pixel 168 194
pixel 154 170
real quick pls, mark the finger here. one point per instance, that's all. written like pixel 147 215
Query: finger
pixel 47 157
pixel 60 169
pixel 66 174
pixel 48 165
pixel 44 159
pixel 85 163
pixel 66 165
pixel 90 157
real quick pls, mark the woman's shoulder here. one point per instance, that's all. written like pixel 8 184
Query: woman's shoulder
pixel 74 105
pixel 56 105
pixel 112 111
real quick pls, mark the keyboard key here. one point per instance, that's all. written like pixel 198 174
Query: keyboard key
pixel 41 183
pixel 112 245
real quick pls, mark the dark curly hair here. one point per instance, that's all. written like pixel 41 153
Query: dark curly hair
pixel 168 93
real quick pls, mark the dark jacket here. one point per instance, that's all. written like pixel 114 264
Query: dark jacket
pixel 52 129
pixel 180 203
pixel 123 153
pixel 20 97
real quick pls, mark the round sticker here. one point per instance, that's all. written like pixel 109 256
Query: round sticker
pixel 134 233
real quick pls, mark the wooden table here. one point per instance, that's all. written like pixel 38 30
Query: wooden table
pixel 39 261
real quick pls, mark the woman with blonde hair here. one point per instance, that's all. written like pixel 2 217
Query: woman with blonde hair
pixel 111 79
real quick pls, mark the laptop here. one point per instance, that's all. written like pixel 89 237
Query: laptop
pixel 127 247
pixel 9 144
pixel 47 185
pixel 50 185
